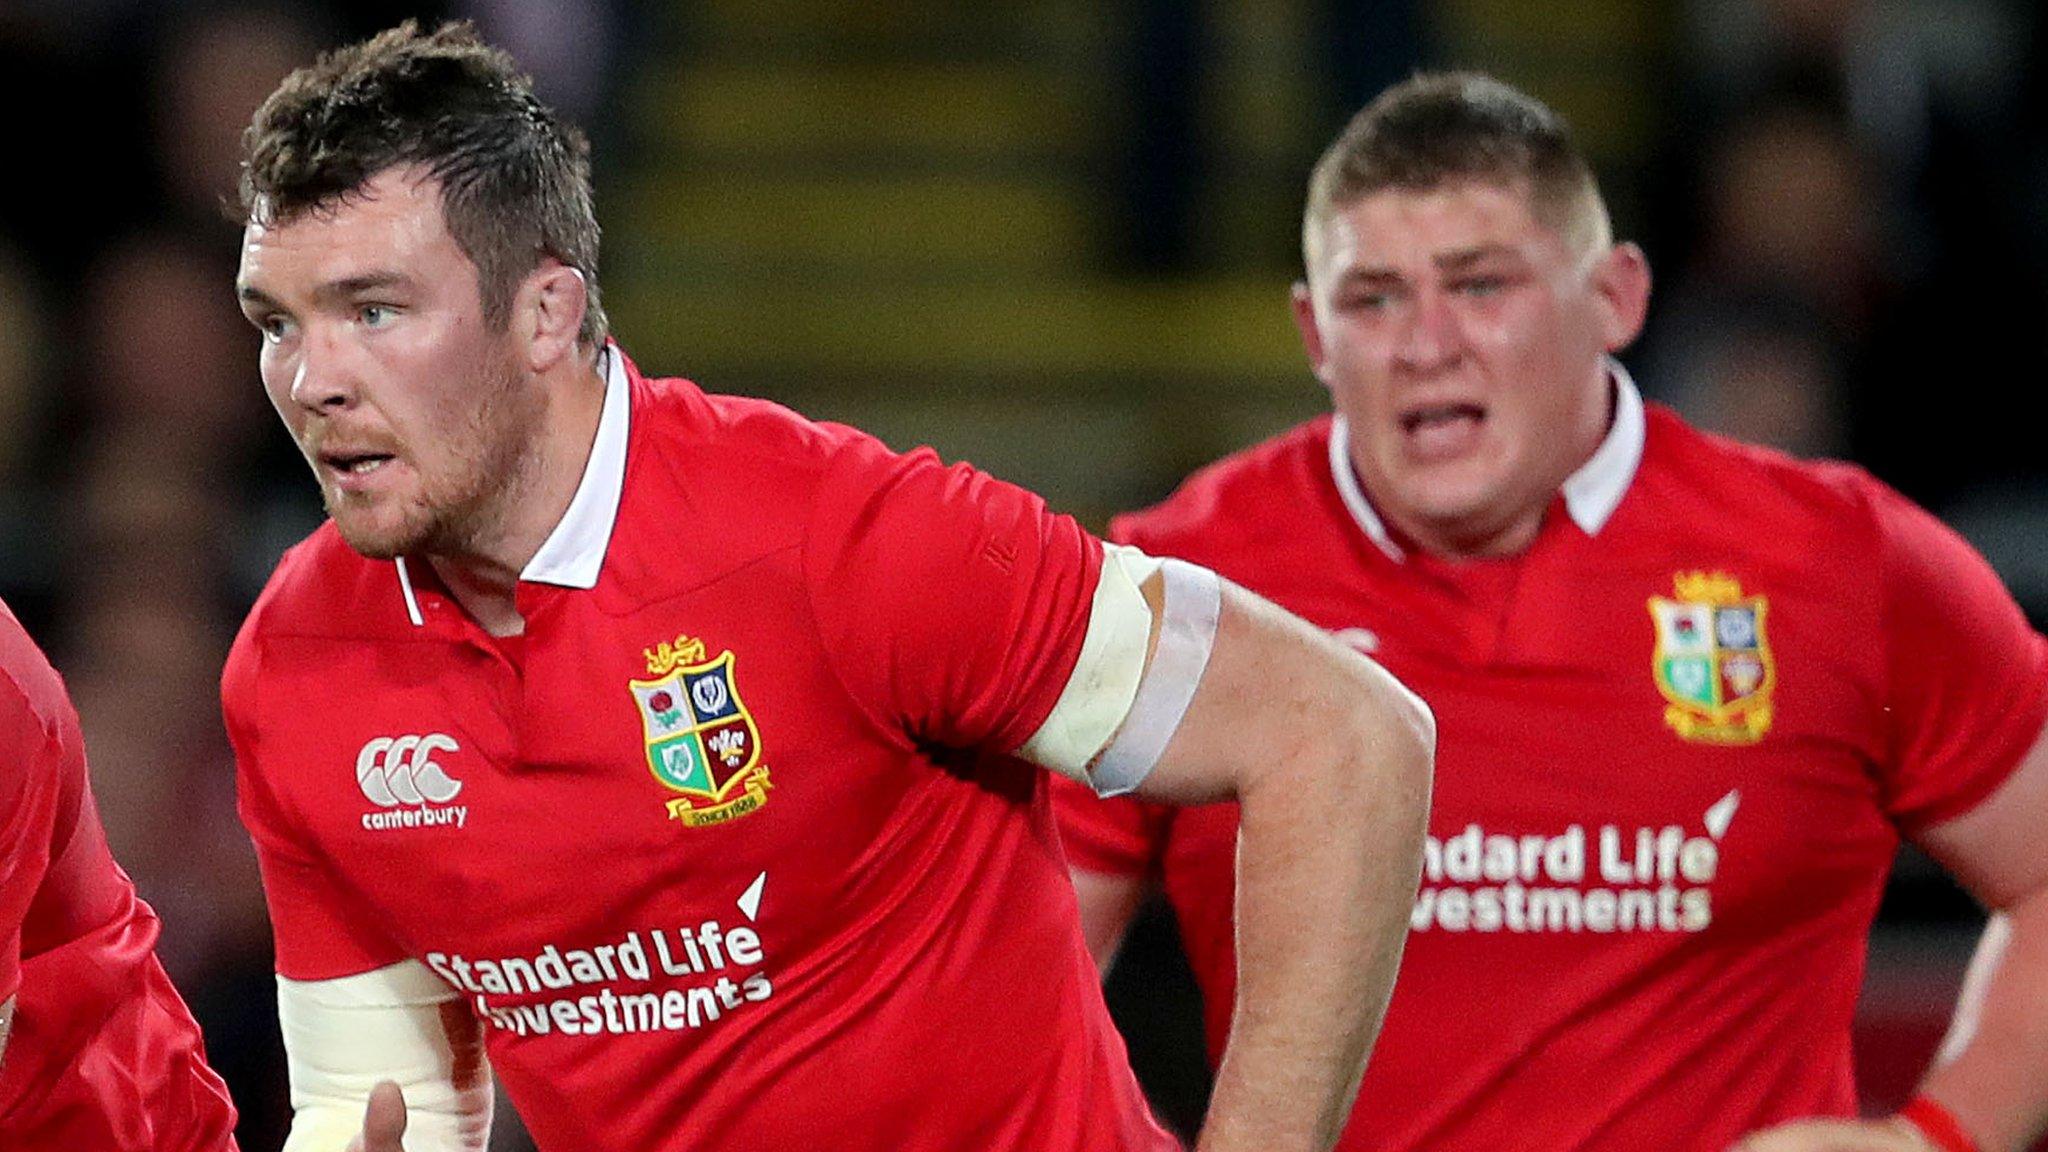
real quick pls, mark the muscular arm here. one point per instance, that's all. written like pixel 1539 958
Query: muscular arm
pixel 1993 1071
pixel 1330 760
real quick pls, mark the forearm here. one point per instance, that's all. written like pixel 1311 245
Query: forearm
pixel 344 1036
pixel 1328 859
pixel 1993 1074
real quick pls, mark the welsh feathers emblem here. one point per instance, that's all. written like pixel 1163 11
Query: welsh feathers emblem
pixel 701 741
pixel 1713 663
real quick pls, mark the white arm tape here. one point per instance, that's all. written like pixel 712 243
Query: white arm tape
pixel 343 1036
pixel 1105 679
pixel 1192 605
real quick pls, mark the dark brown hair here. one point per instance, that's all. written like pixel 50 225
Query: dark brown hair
pixel 1441 128
pixel 514 179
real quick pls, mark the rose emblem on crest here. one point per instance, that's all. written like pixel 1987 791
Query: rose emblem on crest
pixel 664 706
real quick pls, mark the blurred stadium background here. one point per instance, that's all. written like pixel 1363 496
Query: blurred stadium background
pixel 1053 237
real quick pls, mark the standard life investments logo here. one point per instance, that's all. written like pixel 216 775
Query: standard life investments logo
pixel 1585 878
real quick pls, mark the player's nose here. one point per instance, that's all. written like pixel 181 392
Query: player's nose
pixel 1429 336
pixel 323 380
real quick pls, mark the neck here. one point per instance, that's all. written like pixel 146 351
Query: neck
pixel 1477 541
pixel 488 595
pixel 540 480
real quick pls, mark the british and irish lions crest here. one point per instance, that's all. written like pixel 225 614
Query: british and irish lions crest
pixel 1713 663
pixel 701 741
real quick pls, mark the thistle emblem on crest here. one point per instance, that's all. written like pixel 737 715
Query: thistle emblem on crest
pixel 1713 663
pixel 701 741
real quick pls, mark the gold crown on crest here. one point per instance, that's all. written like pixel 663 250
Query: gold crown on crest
pixel 665 657
pixel 1707 587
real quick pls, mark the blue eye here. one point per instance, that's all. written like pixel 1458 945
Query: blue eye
pixel 1482 286
pixel 274 328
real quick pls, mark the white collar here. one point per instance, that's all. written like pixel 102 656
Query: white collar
pixel 1591 494
pixel 573 553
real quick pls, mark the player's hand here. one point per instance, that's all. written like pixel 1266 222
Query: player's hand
pixel 1817 1135
pixel 383 1121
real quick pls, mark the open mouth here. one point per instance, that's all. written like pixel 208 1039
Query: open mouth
pixel 355 463
pixel 1432 417
pixel 1437 432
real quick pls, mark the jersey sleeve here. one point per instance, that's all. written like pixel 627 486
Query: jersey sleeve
pixel 320 928
pixel 31 770
pixel 953 605
pixel 1966 677
pixel 28 806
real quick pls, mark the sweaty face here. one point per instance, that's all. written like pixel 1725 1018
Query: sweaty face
pixel 375 353
pixel 1462 340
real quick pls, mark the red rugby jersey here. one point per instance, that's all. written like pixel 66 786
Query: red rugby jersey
pixel 706 848
pixel 1679 740
pixel 103 1053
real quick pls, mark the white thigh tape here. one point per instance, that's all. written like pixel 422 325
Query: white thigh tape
pixel 1187 634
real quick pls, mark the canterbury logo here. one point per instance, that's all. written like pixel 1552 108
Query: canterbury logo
pixel 403 770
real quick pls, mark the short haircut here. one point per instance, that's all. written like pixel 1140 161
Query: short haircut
pixel 1438 129
pixel 514 179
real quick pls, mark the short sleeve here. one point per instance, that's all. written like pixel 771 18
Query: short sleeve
pixel 31 767
pixel 321 929
pixel 1120 836
pixel 27 812
pixel 1966 677
pixel 953 605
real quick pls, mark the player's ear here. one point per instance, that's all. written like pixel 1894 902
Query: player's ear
pixel 548 313
pixel 1621 278
pixel 1304 304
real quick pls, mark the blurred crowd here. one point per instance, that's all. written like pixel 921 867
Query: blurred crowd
pixel 145 489
pixel 1846 205
pixel 1857 233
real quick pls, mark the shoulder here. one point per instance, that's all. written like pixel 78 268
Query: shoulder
pixel 741 468
pixel 320 588
pixel 726 480
pixel 1244 487
pixel 33 707
pixel 31 695
pixel 716 435
pixel 758 469
pixel 1761 488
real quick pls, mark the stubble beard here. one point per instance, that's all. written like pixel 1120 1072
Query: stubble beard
pixel 456 510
